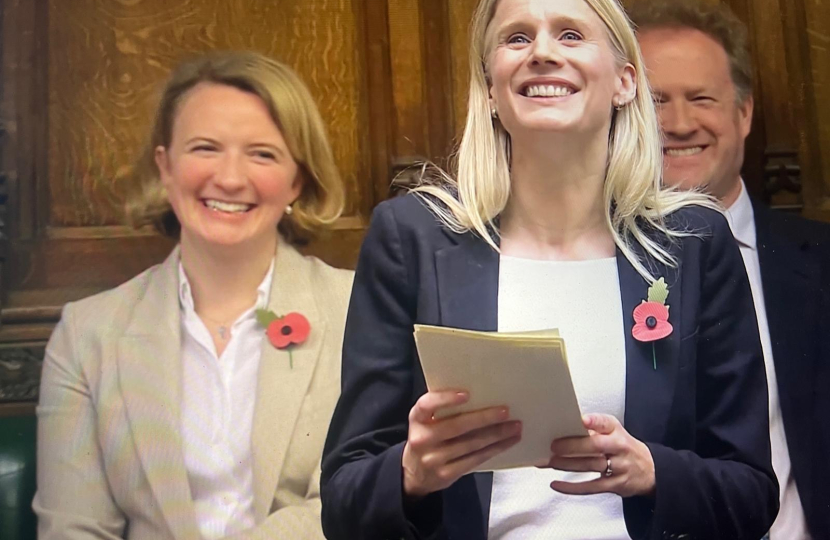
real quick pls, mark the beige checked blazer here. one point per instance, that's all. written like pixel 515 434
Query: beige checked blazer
pixel 110 460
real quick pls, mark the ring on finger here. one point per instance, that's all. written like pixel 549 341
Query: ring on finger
pixel 608 470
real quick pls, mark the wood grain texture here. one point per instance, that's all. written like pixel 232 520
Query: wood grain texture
pixel 460 15
pixel 817 15
pixel 108 59
pixel 407 70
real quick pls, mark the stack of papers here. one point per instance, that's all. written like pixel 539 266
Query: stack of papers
pixel 525 371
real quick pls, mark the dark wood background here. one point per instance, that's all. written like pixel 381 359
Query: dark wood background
pixel 80 80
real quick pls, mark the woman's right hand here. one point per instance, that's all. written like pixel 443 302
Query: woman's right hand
pixel 439 452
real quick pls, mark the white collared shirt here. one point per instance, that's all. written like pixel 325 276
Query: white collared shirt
pixel 790 523
pixel 217 414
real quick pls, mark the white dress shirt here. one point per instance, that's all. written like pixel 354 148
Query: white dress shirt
pixel 790 523
pixel 582 300
pixel 217 414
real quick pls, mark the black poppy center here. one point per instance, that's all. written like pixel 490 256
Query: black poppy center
pixel 651 321
pixel 286 330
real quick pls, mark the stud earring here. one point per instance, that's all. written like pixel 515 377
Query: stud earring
pixel 619 105
pixel 494 113
pixel 289 210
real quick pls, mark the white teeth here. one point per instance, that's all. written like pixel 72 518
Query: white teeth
pixel 682 152
pixel 226 206
pixel 542 90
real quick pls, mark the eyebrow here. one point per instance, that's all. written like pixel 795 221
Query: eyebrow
pixel 558 21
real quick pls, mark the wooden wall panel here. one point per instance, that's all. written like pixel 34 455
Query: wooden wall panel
pixel 108 59
pixel 81 80
pixel 817 128
pixel 461 13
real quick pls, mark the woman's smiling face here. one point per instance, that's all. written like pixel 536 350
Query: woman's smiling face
pixel 228 172
pixel 552 68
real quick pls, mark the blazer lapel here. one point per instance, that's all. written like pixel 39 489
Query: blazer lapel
pixel 468 285
pixel 649 391
pixel 150 377
pixel 281 387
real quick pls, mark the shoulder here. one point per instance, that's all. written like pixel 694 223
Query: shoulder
pixel 793 228
pixel 113 309
pixel 335 282
pixel 698 221
pixel 409 220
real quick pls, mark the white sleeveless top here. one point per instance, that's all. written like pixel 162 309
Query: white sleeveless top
pixel 581 299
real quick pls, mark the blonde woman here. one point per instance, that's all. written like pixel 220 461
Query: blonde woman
pixel 191 402
pixel 555 219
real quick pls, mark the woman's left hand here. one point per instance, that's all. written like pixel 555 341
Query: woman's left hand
pixel 631 464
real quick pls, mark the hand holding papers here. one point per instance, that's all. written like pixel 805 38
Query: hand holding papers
pixel 525 371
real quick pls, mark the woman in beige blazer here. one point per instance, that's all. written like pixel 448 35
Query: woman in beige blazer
pixel 182 405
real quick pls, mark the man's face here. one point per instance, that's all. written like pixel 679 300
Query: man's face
pixel 704 126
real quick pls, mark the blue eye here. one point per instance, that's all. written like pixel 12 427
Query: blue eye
pixel 518 38
pixel 570 35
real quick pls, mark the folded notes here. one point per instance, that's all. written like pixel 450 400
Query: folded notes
pixel 525 371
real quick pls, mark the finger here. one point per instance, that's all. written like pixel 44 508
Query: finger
pixel 426 406
pixel 591 487
pixel 470 462
pixel 456 426
pixel 589 464
pixel 604 424
pixel 471 443
pixel 576 446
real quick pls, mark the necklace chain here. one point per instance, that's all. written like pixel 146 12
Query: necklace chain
pixel 221 327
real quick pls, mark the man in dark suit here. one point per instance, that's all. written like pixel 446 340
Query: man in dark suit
pixel 700 71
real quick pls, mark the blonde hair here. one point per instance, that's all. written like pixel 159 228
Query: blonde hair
pixel 633 194
pixel 293 111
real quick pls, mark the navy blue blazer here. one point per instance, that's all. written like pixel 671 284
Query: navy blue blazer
pixel 794 257
pixel 702 412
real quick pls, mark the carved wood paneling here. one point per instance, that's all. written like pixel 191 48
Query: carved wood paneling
pixel 461 13
pixel 80 82
pixel 120 51
pixel 817 131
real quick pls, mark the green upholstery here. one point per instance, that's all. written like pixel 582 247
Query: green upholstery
pixel 17 477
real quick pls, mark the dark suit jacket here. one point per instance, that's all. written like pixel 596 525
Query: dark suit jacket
pixel 702 412
pixel 794 256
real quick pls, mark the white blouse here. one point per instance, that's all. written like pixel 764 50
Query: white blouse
pixel 217 414
pixel 581 299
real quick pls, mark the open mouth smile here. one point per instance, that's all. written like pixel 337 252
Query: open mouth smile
pixel 227 207
pixel 684 152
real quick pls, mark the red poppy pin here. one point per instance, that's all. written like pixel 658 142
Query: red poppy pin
pixel 651 317
pixel 285 332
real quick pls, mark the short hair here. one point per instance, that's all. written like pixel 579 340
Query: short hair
pixel 715 20
pixel 293 111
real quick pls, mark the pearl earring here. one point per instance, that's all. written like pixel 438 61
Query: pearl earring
pixel 289 210
pixel 494 113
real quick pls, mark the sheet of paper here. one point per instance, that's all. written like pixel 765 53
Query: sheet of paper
pixel 526 371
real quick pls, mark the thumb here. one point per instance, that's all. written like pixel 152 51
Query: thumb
pixel 603 424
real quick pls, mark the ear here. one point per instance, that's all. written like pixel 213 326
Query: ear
pixel 626 84
pixel 298 183
pixel 745 116
pixel 163 164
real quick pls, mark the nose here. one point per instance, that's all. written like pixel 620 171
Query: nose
pixel 545 51
pixel 677 119
pixel 231 175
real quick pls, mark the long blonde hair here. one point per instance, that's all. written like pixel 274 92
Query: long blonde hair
pixel 633 193
pixel 292 109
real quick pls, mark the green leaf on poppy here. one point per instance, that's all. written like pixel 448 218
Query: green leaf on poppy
pixel 658 292
pixel 265 317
